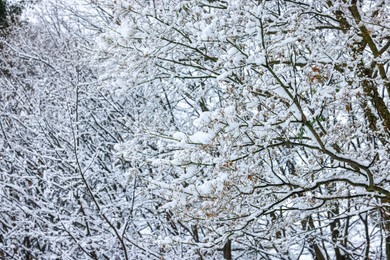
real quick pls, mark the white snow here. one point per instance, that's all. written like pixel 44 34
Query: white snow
pixel 201 137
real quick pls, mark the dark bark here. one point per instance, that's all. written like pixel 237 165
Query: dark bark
pixel 227 250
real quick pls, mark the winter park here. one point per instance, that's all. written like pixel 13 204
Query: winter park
pixel 195 129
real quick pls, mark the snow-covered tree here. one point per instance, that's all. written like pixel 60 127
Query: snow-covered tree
pixel 63 193
pixel 263 125
pixel 183 129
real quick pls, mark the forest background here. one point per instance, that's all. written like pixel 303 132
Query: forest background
pixel 194 129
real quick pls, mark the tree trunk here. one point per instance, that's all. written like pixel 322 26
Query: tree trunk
pixel 385 212
pixel 227 250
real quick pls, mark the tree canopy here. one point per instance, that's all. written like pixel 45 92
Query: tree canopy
pixel 192 129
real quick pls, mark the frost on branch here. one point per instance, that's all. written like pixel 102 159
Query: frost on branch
pixel 198 129
pixel 276 120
